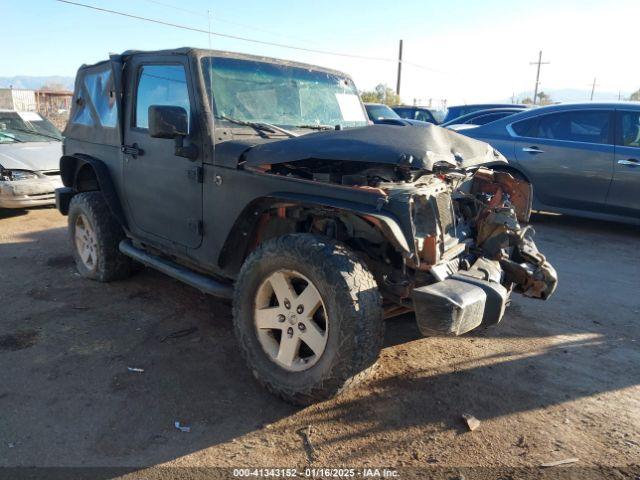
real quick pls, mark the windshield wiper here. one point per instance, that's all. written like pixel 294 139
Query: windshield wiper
pixel 262 126
pixel 34 132
pixel 316 127
pixel 12 138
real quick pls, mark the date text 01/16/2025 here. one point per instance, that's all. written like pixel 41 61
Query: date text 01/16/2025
pixel 315 473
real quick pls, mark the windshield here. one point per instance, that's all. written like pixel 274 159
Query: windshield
pixel 439 115
pixel 26 127
pixel 381 112
pixel 253 91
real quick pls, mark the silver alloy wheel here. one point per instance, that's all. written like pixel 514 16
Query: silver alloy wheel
pixel 86 242
pixel 291 320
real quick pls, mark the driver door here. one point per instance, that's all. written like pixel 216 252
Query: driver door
pixel 163 191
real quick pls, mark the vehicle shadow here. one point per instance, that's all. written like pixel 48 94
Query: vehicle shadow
pixel 11 212
pixel 500 386
pixel 18 212
pixel 83 406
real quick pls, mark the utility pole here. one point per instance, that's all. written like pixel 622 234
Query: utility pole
pixel 539 63
pixel 399 69
pixel 593 88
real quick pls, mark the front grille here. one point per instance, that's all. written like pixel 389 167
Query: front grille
pixel 443 202
pixel 435 223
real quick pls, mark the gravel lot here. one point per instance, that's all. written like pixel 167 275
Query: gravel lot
pixel 554 380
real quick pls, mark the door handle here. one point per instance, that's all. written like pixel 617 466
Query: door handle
pixel 532 150
pixel 632 162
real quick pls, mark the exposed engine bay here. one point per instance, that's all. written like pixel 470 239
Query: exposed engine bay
pixel 467 226
pixel 448 237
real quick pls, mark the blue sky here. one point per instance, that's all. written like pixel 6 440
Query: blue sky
pixel 474 50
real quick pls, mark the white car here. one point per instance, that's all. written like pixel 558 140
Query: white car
pixel 30 151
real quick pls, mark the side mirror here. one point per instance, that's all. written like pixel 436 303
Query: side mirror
pixel 167 121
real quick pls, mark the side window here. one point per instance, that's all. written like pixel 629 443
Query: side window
pixel 629 128
pixel 424 116
pixel 103 97
pixel 160 85
pixel 579 126
pixel 100 94
pixel 526 128
pixel 488 118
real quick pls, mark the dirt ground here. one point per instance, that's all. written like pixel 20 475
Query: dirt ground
pixel 555 380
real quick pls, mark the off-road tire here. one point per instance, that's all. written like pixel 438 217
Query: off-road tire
pixel 110 263
pixel 352 303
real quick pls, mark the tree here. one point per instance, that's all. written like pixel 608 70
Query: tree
pixel 54 87
pixel 544 99
pixel 635 96
pixel 381 94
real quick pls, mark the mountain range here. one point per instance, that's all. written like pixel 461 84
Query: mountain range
pixel 573 95
pixel 34 83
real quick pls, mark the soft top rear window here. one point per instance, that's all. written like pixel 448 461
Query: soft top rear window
pixel 98 95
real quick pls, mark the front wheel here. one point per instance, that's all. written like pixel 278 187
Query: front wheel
pixel 95 235
pixel 308 317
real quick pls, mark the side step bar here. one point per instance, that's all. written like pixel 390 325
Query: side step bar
pixel 202 282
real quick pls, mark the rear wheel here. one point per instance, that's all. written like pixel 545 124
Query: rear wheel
pixel 308 317
pixel 95 235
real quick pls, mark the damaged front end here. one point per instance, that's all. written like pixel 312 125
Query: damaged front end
pixel 490 212
pixel 466 244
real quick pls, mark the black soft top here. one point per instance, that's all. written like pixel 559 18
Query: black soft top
pixel 95 111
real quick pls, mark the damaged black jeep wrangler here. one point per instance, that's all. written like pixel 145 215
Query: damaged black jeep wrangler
pixel 261 180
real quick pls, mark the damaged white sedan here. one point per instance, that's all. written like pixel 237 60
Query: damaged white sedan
pixel 30 151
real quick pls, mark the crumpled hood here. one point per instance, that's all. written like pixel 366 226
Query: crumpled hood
pixel 417 147
pixel 34 156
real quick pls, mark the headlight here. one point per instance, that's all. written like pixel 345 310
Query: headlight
pixel 13 175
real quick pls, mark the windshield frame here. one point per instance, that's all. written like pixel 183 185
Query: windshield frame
pixel 303 126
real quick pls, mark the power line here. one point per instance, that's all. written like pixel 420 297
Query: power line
pixel 175 7
pixel 237 37
pixel 218 19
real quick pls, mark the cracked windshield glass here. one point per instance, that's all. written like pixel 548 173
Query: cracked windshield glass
pixel 26 127
pixel 288 96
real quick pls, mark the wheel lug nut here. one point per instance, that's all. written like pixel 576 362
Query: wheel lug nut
pixel 300 309
pixel 290 331
pixel 302 327
pixel 281 318
pixel 287 303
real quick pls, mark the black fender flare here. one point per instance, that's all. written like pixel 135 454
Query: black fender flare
pixel 390 227
pixel 72 165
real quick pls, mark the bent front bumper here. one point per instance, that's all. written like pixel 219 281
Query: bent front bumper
pixel 478 296
pixel 458 305
pixel 28 193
